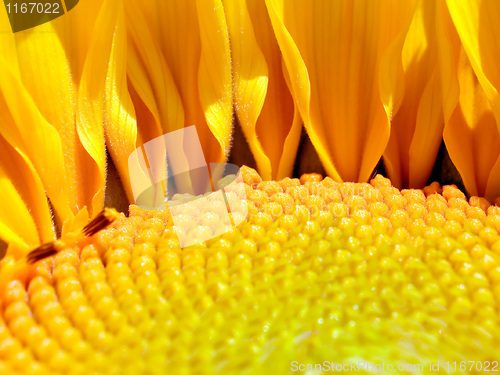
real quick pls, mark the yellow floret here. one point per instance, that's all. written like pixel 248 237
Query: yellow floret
pixel 319 272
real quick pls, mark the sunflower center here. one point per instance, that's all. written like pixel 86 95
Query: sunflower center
pixel 317 270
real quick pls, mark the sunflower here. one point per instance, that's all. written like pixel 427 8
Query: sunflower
pixel 337 270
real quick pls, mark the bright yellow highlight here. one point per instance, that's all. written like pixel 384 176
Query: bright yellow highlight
pixel 320 271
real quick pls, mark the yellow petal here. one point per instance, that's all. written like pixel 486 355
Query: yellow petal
pixel 58 48
pixel 119 113
pixel 448 53
pixel 250 78
pixel 90 105
pixel 180 78
pixel 471 133
pixel 263 101
pixel 297 78
pixel 75 30
pixel 50 84
pixel 492 190
pixel 23 127
pixel 156 99
pixel 477 25
pixel 22 175
pixel 76 223
pixel 214 75
pixel 7 41
pixel 22 192
pixel 337 46
pixel 150 76
pixel 472 137
pixel 417 124
pixel 194 42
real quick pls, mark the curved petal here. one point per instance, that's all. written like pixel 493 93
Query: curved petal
pixel 250 77
pixel 297 77
pixel 263 101
pixel 49 64
pixel 76 223
pixel 340 44
pixel 119 114
pixel 23 127
pixel 180 77
pixel 470 100
pixel 417 125
pixel 194 42
pixel 492 191
pixel 472 137
pixel 448 52
pixel 477 25
pixel 156 99
pixel 7 42
pixel 24 213
pixel 90 104
pixel 214 76
pixel 75 30
pixel 150 76
pixel 50 84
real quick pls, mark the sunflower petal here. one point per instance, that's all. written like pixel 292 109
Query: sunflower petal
pixel 119 113
pixel 90 105
pixel 25 179
pixel 7 42
pixel 471 135
pixel 16 223
pixel 157 102
pixel 200 67
pixel 417 125
pixel 76 223
pixel 263 101
pixel 448 57
pixel 150 76
pixel 214 75
pixel 26 129
pixel 75 30
pixel 250 77
pixel 50 84
pixel 49 81
pixel 195 83
pixel 428 134
pixel 58 48
pixel 471 132
pixel 332 51
pixel 477 25
pixel 492 191
pixel 297 78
